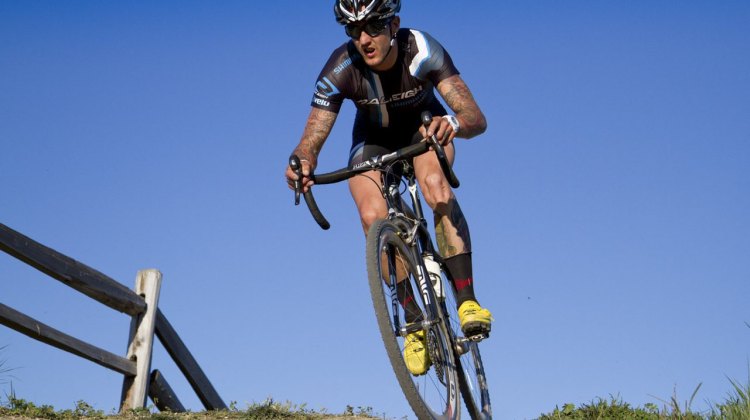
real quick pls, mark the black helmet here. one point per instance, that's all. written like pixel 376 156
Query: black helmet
pixel 349 11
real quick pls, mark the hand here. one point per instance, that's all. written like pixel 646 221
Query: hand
pixel 441 129
pixel 291 176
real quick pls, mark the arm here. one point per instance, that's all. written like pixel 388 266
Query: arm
pixel 318 127
pixel 459 98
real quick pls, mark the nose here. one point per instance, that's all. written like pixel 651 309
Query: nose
pixel 364 38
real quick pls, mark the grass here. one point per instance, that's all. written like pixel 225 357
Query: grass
pixel 737 404
pixel 19 408
pixel 4 370
pixel 735 407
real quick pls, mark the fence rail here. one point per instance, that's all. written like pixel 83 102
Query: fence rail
pixel 147 321
pixel 26 325
pixel 71 272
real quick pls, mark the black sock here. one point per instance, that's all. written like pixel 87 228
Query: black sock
pixel 459 267
pixel 405 293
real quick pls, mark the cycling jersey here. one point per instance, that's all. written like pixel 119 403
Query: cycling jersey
pixel 389 103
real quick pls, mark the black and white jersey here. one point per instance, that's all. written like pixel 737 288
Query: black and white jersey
pixel 389 103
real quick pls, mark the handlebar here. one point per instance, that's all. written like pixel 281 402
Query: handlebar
pixel 296 166
pixel 375 162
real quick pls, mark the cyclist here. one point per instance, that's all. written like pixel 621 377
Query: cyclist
pixel 390 74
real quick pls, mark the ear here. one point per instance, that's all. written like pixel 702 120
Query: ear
pixel 395 24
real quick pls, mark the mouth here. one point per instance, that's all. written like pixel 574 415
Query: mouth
pixel 369 52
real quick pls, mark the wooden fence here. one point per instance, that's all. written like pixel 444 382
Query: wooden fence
pixel 147 321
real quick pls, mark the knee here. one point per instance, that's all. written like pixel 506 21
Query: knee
pixel 368 216
pixel 436 190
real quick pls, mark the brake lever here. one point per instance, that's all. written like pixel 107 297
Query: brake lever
pixel 296 166
pixel 438 148
pixel 426 121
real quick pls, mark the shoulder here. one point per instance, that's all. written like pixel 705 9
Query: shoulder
pixel 425 53
pixel 335 81
pixel 341 58
pixel 419 41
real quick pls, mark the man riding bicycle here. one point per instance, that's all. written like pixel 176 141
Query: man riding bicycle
pixel 390 73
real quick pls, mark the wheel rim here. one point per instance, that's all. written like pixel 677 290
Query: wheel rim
pixel 434 394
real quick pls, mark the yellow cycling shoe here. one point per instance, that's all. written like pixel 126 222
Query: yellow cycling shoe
pixel 475 320
pixel 415 354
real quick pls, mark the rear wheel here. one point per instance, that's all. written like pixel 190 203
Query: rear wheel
pixel 434 394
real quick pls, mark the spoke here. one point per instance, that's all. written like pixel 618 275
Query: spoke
pixel 436 390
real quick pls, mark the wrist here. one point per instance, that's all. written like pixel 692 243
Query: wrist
pixel 453 121
pixel 305 156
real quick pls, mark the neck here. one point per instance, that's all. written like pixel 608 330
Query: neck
pixel 390 56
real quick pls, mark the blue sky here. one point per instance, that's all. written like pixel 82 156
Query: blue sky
pixel 608 200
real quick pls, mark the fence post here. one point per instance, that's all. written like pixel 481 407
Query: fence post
pixel 135 388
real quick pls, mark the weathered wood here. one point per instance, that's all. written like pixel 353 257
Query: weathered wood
pixel 41 332
pixel 187 364
pixel 147 319
pixel 162 394
pixel 135 388
pixel 74 274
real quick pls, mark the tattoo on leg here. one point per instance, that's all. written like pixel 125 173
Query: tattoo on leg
pixel 440 237
pixel 452 231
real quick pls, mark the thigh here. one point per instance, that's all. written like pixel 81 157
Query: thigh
pixel 366 192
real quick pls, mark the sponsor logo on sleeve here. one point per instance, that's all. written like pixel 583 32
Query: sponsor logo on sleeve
pixel 325 88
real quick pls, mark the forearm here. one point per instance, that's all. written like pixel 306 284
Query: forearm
pixel 459 98
pixel 318 127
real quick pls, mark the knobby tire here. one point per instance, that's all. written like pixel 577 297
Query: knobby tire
pixel 428 395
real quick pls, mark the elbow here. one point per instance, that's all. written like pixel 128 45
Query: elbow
pixel 477 127
pixel 482 126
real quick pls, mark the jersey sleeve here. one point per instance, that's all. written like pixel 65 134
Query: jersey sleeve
pixel 431 61
pixel 328 93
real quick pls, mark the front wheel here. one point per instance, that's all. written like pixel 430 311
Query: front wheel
pixel 473 380
pixel 393 269
pixel 474 384
pixel 474 388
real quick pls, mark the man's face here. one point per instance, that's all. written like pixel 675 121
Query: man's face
pixel 373 40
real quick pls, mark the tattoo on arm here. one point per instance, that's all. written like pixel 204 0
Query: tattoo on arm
pixel 317 129
pixel 459 98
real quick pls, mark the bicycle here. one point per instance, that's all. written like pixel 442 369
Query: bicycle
pixel 402 240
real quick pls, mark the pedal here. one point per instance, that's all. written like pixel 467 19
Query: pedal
pixel 462 343
pixel 478 337
pixel 477 329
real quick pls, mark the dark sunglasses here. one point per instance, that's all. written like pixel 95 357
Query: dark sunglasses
pixel 372 27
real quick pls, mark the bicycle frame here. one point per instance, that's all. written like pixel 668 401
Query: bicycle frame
pixel 409 219
pixel 413 225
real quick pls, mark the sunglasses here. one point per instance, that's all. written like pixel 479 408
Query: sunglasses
pixel 372 27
